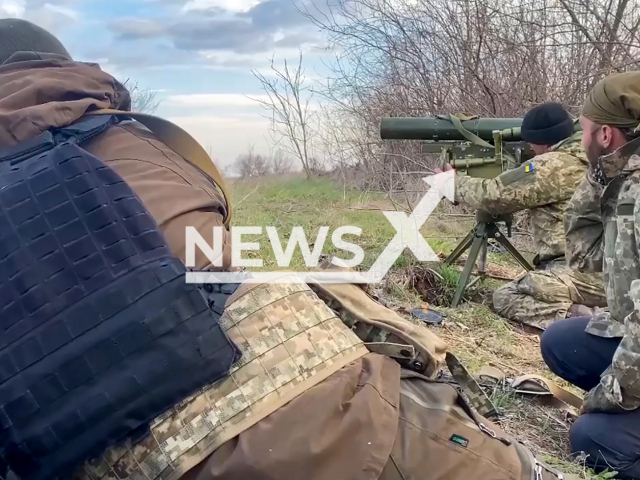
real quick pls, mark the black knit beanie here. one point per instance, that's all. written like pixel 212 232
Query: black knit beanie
pixel 547 124
pixel 21 36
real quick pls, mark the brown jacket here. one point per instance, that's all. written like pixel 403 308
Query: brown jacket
pixel 344 427
pixel 37 95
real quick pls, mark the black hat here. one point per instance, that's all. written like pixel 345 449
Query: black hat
pixel 547 124
pixel 21 36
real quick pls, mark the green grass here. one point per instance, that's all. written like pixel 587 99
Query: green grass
pixel 576 468
pixel 450 281
pixel 293 202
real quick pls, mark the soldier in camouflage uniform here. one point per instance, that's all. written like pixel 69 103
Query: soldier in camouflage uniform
pixel 543 186
pixel 601 354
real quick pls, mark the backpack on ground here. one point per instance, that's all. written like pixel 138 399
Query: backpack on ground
pixel 456 418
pixel 456 440
pixel 98 325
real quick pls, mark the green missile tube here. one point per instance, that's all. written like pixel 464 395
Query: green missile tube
pixel 442 129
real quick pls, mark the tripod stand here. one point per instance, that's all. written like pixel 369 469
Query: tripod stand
pixel 477 239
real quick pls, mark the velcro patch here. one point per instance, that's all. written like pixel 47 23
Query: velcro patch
pixel 458 440
pixel 523 171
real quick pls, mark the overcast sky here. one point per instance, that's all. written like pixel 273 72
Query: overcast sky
pixel 197 54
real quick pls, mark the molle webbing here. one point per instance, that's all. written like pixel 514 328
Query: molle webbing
pixel 99 331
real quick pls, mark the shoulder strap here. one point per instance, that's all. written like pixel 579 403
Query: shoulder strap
pixel 535 385
pixel 472 137
pixel 476 396
pixel 180 142
pixel 538 385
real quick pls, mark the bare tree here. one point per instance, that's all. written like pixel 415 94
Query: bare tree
pixel 281 163
pixel 251 164
pixel 142 100
pixel 290 111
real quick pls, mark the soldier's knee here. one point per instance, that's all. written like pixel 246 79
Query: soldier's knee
pixel 551 342
pixel 605 447
pixel 581 435
pixel 562 347
pixel 503 299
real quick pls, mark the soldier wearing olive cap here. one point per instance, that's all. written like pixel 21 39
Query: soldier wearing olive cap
pixel 601 354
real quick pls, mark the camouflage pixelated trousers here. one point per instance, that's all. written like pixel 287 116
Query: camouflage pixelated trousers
pixel 540 297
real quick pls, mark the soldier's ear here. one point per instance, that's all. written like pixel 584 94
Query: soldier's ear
pixel 612 138
pixel 606 136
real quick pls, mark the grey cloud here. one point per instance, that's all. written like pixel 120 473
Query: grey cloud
pixel 235 35
pixel 274 14
pixel 296 40
pixel 212 12
pixel 168 2
pixel 146 57
pixel 29 4
pixel 209 11
pixel 46 15
pixel 136 29
pixel 214 29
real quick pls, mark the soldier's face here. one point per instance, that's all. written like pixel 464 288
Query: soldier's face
pixel 591 142
pixel 539 149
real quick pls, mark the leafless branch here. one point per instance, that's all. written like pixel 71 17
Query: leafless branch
pixel 142 100
pixel 290 111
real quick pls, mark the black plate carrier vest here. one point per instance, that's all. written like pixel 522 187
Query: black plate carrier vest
pixel 100 333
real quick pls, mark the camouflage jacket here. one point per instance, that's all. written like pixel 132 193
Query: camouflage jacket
pixel 619 387
pixel 542 185
pixel 584 233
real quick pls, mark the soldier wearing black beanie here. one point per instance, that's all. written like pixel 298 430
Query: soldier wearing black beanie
pixel 546 125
